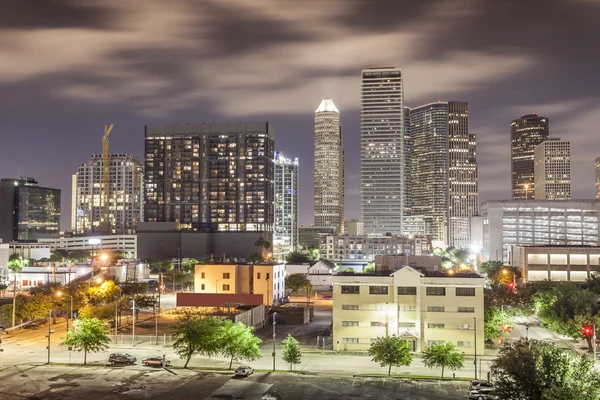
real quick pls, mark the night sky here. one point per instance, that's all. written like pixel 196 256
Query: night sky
pixel 67 69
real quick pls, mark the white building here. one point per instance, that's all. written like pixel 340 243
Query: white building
pixel 598 178
pixel 382 150
pixel 125 195
pixel 508 223
pixel 319 274
pixel 346 248
pixel 125 244
pixel 556 263
pixel 285 234
pixel 329 167
pixel 4 255
pixel 552 170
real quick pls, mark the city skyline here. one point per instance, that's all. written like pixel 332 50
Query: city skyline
pixel 60 88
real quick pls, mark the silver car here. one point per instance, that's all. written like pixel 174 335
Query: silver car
pixel 483 395
pixel 156 362
pixel 244 371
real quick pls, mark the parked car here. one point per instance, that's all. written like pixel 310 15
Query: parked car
pixel 121 358
pixel 244 371
pixel 483 395
pixel 476 385
pixel 327 297
pixel 155 362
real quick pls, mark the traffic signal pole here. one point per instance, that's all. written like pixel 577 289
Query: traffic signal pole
pixel 594 343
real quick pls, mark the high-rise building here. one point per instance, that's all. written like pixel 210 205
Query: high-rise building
pixel 382 150
pixel 463 190
pixel 329 167
pixel 28 212
pixel 408 149
pixel 598 178
pixel 354 227
pixel 429 194
pixel 125 194
pixel 552 170
pixel 210 176
pixel 526 133
pixel 285 234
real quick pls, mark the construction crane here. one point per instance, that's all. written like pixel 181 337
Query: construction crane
pixel 105 180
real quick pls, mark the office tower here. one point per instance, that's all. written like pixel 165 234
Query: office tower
pixel 429 134
pixel 354 227
pixel 125 194
pixel 285 234
pixel 463 191
pixel 598 178
pixel 210 176
pixel 329 167
pixel 408 150
pixel 552 170
pixel 28 212
pixel 526 133
pixel 382 150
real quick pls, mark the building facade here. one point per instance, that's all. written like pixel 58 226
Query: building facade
pixel 423 308
pixel 285 233
pixel 556 263
pixel 210 177
pixel 598 178
pixel 552 170
pixel 526 133
pixel 408 171
pixel 125 195
pixel 309 237
pixel 329 167
pixel 509 223
pixel 354 227
pixel 382 150
pixel 366 247
pixel 28 211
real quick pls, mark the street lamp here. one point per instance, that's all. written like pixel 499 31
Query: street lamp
pixel 59 294
pixel 527 191
pixel 274 317
pixel 505 272
pixel 475 336
pixel 50 332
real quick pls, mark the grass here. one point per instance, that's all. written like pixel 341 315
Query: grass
pixel 416 377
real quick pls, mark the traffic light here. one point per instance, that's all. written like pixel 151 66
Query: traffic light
pixel 506 327
pixel 587 330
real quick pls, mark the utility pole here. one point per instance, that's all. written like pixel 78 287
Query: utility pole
pixel 50 332
pixel 274 317
pixel 475 335
pixel 14 308
pixel 133 325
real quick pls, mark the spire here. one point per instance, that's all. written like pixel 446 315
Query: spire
pixel 327 106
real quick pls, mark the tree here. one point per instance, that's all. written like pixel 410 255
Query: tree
pixel 194 334
pixel 543 371
pixel 295 257
pixel 391 351
pixel 262 245
pixel 291 351
pixel 255 258
pixel 443 355
pixel 189 265
pixel 369 269
pixel 237 342
pixel 87 334
pixel 295 282
pixel 3 287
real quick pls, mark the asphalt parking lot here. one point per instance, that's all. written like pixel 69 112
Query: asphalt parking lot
pixel 137 382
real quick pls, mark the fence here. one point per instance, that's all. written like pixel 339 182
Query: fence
pixel 141 340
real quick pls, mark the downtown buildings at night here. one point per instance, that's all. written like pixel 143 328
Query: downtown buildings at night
pixel 285 234
pixel 552 170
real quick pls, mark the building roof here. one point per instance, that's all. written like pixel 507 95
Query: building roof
pixel 327 106
pixel 217 299
pixel 328 264
pixel 421 271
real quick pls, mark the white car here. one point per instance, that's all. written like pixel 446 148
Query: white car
pixel 244 371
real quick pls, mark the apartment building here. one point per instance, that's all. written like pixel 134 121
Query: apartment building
pixel 265 279
pixel 421 307
pixel 365 248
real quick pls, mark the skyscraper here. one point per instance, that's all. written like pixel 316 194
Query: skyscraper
pixel 408 150
pixel 210 177
pixel 382 150
pixel 285 234
pixel 429 134
pixel 552 168
pixel 329 167
pixel 28 212
pixel 526 133
pixel 598 178
pixel 125 195
pixel 463 190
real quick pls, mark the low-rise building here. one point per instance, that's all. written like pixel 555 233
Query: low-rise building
pixel 319 273
pixel 265 279
pixel 343 248
pixel 421 307
pixel 310 236
pixel 556 263
pixel 394 263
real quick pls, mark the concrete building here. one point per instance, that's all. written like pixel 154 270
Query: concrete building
pixel 354 227
pixel 264 279
pixel 125 195
pixel 423 308
pixel 125 244
pixel 392 263
pixel 346 248
pixel 319 273
pixel 552 170
pixel 28 211
pixel 408 171
pixel 285 234
pixel 509 223
pixel 556 263
pixel 598 178
pixel 329 167
pixel 310 236
pixel 526 133
pixel 382 150
pixel 216 177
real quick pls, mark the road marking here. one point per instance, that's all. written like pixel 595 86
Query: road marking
pixel 383 382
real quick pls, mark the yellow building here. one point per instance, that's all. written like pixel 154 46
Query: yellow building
pixel 423 308
pixel 265 279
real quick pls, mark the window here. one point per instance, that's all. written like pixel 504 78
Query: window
pixel 378 290
pixel 466 309
pixel 435 326
pixel 225 288
pixel 268 276
pixel 465 344
pixel 202 287
pixel 202 275
pixel 225 275
pixel 406 325
pixel 374 323
pixel 379 307
pixel 350 289
pixel 349 306
pixel 435 291
pixel 349 323
pixel 436 309
pixel 408 308
pixel 465 291
pixel 349 340
pixel 430 342
pixel 465 327
pixel 407 291
pixel 258 275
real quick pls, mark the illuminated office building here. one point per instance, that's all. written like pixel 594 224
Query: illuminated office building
pixel 285 234
pixel 526 133
pixel 552 170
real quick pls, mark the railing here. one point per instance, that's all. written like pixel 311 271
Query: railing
pixel 141 340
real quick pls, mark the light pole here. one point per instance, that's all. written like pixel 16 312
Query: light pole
pixel 475 336
pixel 117 313
pixel 50 332
pixel 133 325
pixel 505 272
pixel 59 293
pixel 274 322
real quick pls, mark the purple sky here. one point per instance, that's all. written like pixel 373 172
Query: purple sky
pixel 65 70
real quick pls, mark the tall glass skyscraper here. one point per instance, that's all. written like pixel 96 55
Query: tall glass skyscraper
pixel 526 133
pixel 329 167
pixel 285 233
pixel 382 150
